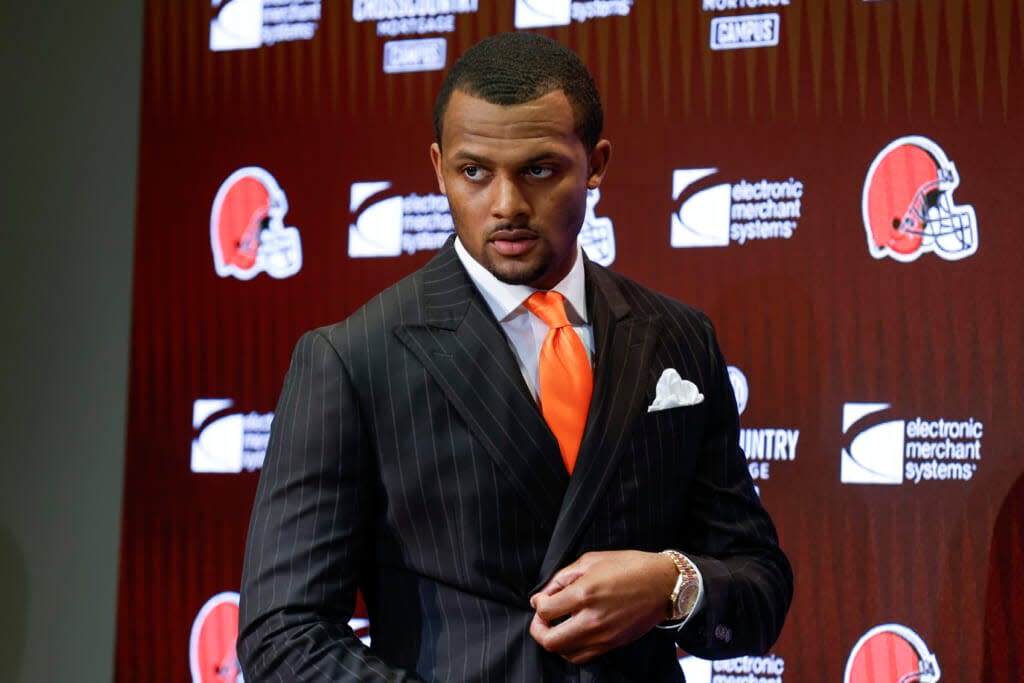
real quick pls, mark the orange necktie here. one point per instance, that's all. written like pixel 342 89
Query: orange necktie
pixel 566 381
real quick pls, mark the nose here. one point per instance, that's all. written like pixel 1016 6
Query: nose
pixel 508 203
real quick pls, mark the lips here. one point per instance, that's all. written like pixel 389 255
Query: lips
pixel 513 242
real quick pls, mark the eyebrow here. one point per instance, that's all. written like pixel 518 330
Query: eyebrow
pixel 463 155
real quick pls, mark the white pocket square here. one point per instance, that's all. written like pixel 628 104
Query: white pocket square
pixel 673 391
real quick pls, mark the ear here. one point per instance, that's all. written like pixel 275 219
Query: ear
pixel 599 157
pixel 435 159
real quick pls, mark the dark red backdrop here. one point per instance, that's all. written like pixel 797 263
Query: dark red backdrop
pixel 814 322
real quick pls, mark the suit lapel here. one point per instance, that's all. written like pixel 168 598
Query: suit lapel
pixel 624 343
pixel 466 352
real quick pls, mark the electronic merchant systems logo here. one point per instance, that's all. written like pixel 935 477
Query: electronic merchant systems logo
pixel 543 13
pixel 768 669
pixel 879 448
pixel 211 645
pixel 247 231
pixel 227 442
pixel 762 445
pixel 713 214
pixel 388 224
pixel 891 653
pixel 249 24
pixel 908 207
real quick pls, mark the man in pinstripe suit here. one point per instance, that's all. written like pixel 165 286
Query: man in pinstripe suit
pixel 409 457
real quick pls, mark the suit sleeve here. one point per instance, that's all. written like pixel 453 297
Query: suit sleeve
pixel 748 581
pixel 308 533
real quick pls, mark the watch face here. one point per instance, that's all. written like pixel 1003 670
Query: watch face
pixel 687 598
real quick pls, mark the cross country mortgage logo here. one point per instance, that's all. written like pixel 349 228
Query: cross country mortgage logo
pixel 410 18
pixel 713 211
pixel 762 445
pixel 881 448
pixel 743 31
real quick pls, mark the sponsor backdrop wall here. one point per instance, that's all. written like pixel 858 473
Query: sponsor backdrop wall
pixel 835 183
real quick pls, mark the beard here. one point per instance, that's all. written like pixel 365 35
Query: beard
pixel 541 266
pixel 517 272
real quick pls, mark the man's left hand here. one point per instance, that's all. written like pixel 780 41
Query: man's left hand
pixel 601 601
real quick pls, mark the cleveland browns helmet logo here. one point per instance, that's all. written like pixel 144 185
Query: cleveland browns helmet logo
pixel 247 231
pixel 908 205
pixel 891 653
pixel 211 645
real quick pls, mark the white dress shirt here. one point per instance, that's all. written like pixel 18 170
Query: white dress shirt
pixel 525 331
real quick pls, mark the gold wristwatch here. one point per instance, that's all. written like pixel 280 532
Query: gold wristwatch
pixel 684 594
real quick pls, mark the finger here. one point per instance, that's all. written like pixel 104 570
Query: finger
pixel 560 604
pixel 564 578
pixel 554 636
pixel 576 633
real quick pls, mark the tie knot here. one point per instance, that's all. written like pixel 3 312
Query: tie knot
pixel 549 307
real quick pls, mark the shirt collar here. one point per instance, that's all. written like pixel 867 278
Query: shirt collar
pixel 503 298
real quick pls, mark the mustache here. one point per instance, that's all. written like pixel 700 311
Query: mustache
pixel 511 231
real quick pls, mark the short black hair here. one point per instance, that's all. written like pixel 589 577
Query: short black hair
pixel 515 68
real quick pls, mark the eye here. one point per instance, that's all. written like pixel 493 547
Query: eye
pixel 539 172
pixel 473 172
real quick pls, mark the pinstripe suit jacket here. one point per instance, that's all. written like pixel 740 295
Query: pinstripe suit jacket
pixel 408 458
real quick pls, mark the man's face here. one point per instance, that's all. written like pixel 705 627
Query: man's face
pixel 516 178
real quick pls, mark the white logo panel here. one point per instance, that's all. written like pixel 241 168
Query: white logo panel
pixel 228 444
pixel 875 455
pixel 703 219
pixel 541 13
pixel 378 228
pixel 745 31
pixel 426 54
pixel 238 25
